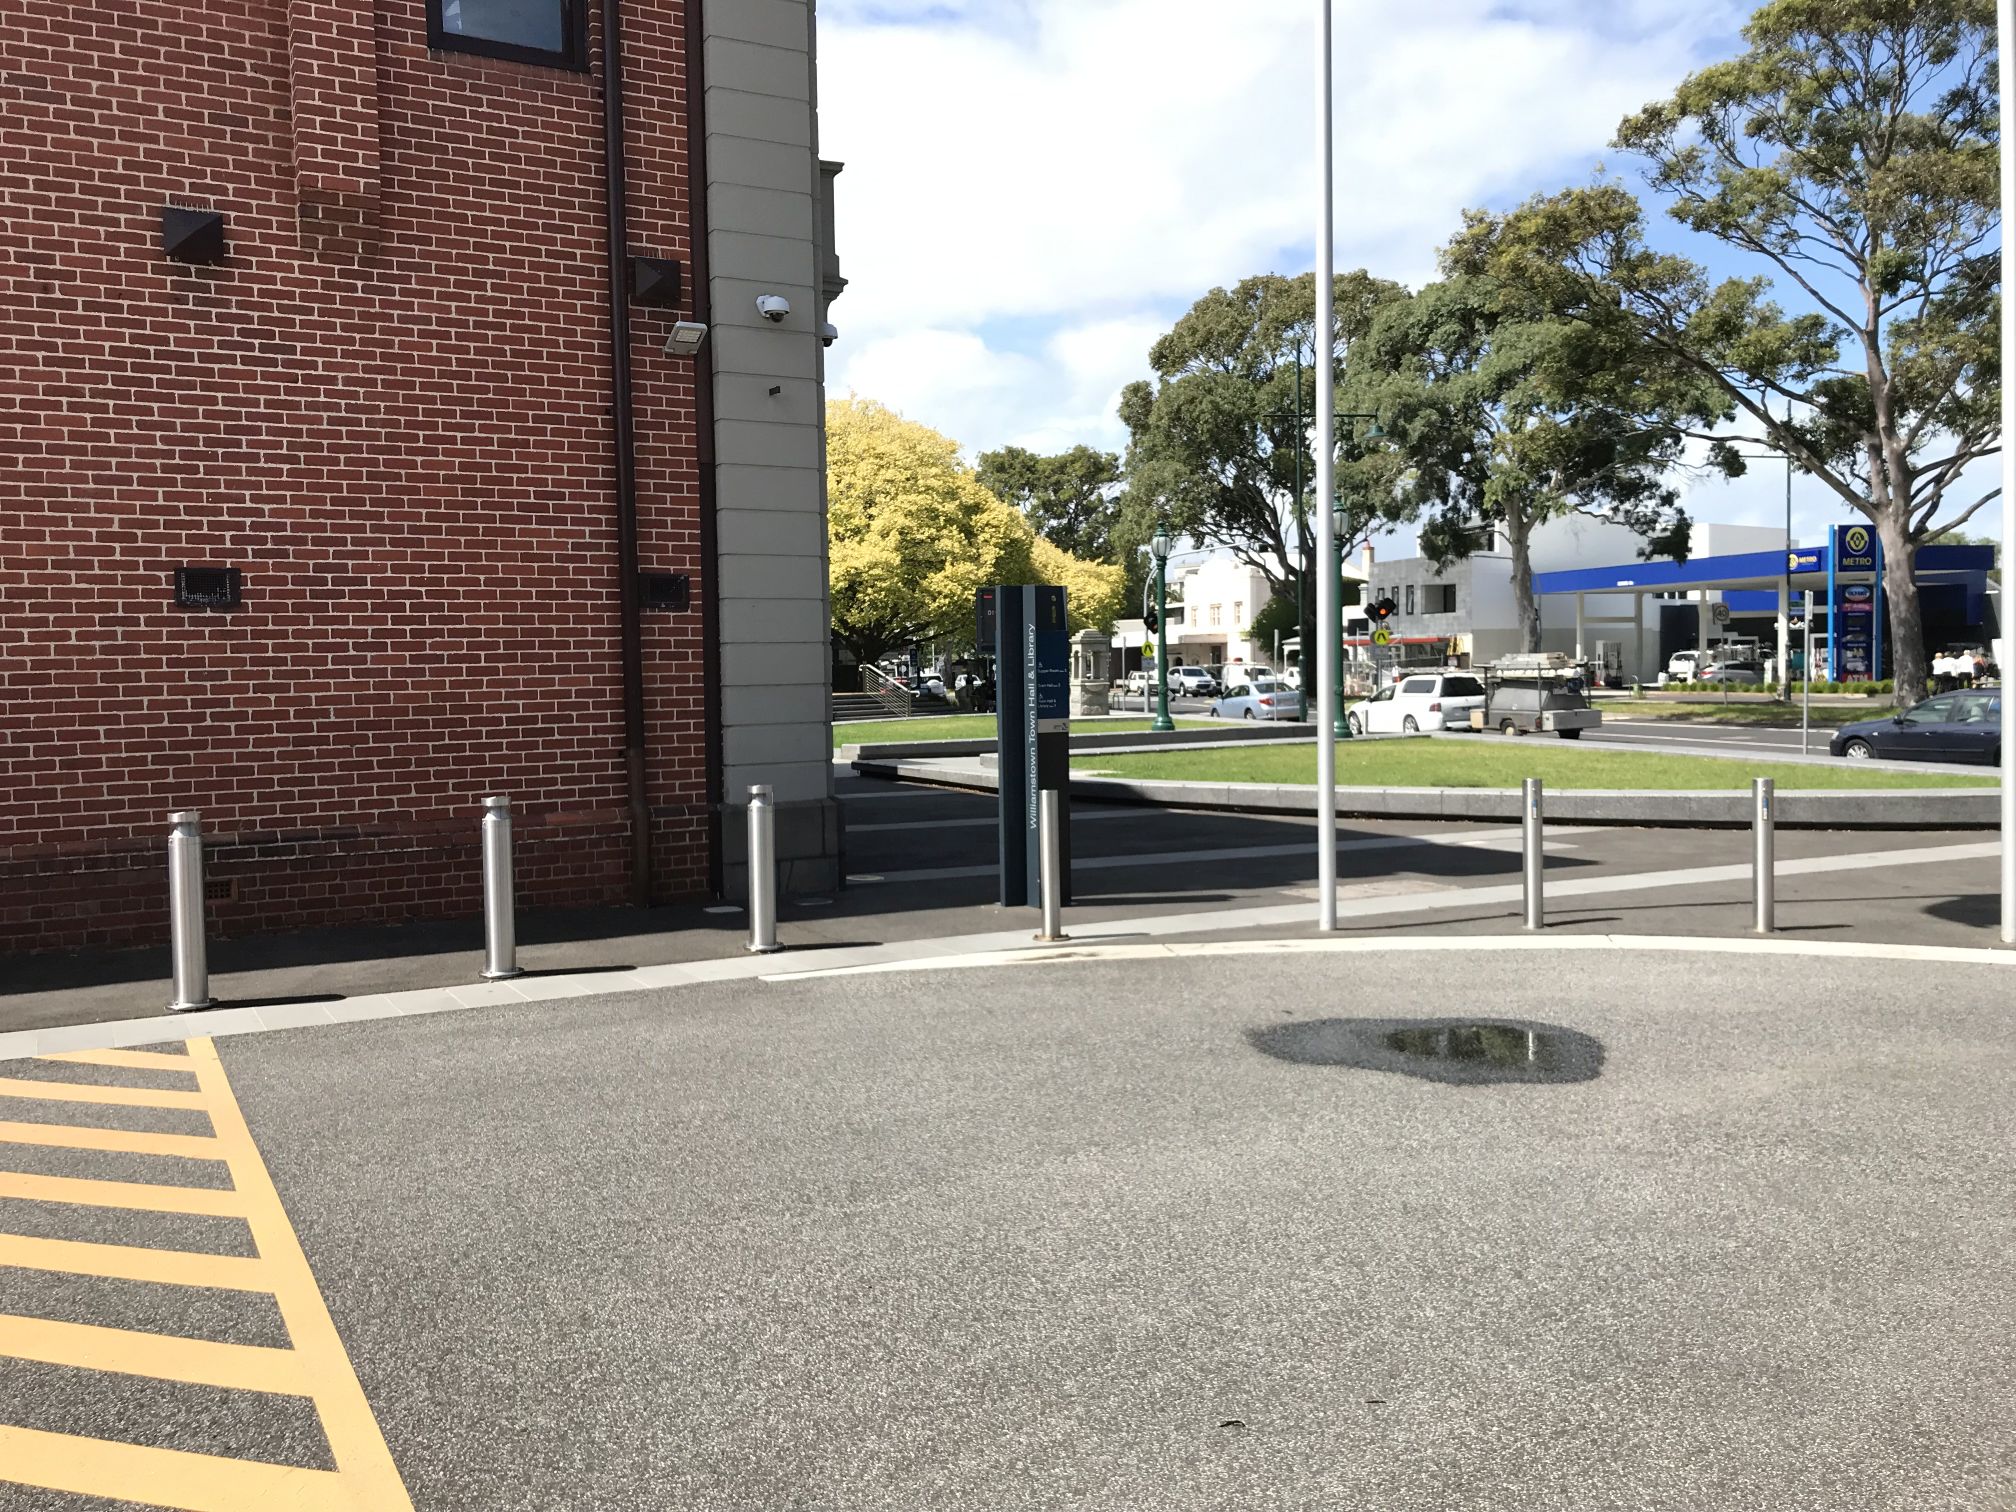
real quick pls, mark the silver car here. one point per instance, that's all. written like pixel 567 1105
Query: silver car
pixel 1260 700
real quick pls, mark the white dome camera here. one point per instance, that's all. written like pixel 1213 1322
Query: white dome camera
pixel 828 334
pixel 773 307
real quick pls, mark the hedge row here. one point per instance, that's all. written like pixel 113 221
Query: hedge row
pixel 1867 689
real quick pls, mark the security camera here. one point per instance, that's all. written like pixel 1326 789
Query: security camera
pixel 828 334
pixel 774 307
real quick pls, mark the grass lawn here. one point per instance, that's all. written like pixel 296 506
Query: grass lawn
pixel 1712 711
pixel 964 727
pixel 1496 762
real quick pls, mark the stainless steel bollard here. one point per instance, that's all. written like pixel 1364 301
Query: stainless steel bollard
pixel 1049 866
pixel 185 913
pixel 1535 854
pixel 500 921
pixel 1764 879
pixel 762 872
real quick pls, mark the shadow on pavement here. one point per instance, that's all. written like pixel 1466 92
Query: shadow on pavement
pixel 356 942
pixel 268 1002
pixel 1981 909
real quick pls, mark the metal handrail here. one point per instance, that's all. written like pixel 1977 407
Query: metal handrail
pixel 887 691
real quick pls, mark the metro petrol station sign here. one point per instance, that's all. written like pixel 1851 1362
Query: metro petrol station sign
pixel 1854 610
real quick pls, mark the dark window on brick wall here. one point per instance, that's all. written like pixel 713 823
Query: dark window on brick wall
pixel 1439 598
pixel 1410 600
pixel 552 32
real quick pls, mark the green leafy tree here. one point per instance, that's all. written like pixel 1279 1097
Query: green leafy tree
pixel 1510 416
pixel 1852 151
pixel 1071 499
pixel 1213 442
pixel 912 535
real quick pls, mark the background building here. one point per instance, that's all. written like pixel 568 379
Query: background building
pixel 1466 610
pixel 335 502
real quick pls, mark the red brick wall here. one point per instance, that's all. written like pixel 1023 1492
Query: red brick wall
pixel 389 407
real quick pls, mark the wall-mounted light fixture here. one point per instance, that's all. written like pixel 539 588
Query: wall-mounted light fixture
pixel 192 236
pixel 685 338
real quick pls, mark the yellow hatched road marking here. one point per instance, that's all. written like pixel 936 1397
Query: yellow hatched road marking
pixel 125 1097
pixel 126 1262
pixel 136 1195
pixel 166 1357
pixel 132 1060
pixel 169 1477
pixel 316 1367
pixel 122 1141
pixel 347 1420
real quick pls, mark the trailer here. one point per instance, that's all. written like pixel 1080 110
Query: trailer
pixel 1526 694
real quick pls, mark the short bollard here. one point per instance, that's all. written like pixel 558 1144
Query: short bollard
pixel 185 913
pixel 1764 866
pixel 762 872
pixel 1535 855
pixel 1048 864
pixel 500 922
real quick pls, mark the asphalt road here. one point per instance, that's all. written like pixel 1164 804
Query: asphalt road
pixel 1648 733
pixel 1128 1234
pixel 1740 738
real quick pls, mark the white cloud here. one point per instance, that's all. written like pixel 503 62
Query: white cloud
pixel 1035 189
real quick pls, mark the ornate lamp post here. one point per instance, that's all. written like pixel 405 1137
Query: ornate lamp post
pixel 1160 547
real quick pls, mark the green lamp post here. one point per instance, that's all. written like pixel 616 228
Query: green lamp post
pixel 1159 546
pixel 1340 724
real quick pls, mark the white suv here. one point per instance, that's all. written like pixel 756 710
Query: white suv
pixel 1420 701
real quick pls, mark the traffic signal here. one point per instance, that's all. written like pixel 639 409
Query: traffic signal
pixel 1152 620
pixel 1383 609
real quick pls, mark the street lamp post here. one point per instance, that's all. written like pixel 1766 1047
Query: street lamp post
pixel 1160 547
pixel 2005 18
pixel 1326 483
pixel 1301 555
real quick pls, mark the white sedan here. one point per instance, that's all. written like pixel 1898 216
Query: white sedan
pixel 1260 700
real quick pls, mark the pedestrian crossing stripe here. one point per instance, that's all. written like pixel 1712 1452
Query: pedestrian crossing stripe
pixel 315 1365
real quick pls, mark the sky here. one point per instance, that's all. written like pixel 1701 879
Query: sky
pixel 1035 190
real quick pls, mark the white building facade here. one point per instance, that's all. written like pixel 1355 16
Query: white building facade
pixel 1465 613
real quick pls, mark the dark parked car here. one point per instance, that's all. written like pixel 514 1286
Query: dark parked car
pixel 1959 727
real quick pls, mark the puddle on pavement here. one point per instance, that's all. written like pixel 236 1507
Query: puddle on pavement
pixel 1462 1052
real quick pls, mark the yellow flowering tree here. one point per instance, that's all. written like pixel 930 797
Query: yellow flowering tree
pixel 912 535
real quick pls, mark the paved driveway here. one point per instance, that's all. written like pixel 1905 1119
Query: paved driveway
pixel 1141 1233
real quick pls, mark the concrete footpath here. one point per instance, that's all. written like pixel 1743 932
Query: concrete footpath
pixel 922 882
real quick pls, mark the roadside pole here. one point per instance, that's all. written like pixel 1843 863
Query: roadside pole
pixel 1326 493
pixel 2006 63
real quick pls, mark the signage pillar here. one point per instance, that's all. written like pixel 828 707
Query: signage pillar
pixel 1876 618
pixel 1852 637
pixel 1032 657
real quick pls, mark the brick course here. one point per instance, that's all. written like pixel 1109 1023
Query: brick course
pixel 389 407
